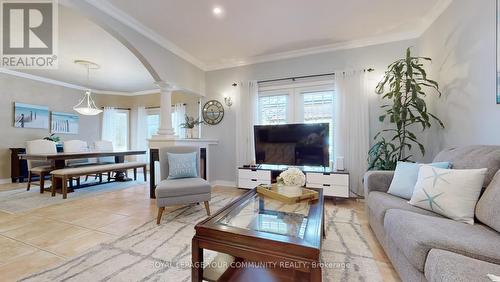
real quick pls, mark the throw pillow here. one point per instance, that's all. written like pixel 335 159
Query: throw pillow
pixel 449 192
pixel 405 178
pixel 182 165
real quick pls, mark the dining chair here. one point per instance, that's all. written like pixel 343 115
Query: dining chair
pixel 104 146
pixel 40 168
pixel 76 146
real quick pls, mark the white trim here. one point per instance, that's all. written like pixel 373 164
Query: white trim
pixel 223 183
pixel 131 22
pixel 75 86
pixel 5 181
pixel 316 50
pixel 41 79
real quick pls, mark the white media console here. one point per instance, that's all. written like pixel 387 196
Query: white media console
pixel 334 183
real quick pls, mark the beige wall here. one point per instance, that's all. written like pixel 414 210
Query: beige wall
pixel 462 44
pixel 61 99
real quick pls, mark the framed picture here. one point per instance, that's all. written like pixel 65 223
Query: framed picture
pixel 31 116
pixel 65 123
pixel 498 52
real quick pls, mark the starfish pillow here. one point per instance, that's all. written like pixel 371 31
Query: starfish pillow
pixel 449 192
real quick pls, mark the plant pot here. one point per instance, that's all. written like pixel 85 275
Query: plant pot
pixel 189 133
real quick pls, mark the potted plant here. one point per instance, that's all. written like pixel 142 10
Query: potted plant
pixel 52 137
pixel 189 124
pixel 403 89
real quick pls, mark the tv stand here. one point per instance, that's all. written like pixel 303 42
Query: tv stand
pixel 334 183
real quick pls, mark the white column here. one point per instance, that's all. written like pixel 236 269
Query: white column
pixel 165 132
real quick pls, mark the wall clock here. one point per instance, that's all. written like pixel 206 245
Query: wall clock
pixel 213 112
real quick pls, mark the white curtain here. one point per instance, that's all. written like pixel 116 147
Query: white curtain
pixel 108 124
pixel 246 107
pixel 351 133
pixel 178 117
pixel 139 132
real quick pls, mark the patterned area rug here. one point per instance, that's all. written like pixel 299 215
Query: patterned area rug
pixel 163 253
pixel 20 200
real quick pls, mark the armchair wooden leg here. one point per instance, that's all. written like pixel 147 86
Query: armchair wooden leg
pixel 78 181
pixel 86 178
pixel 145 173
pixel 100 177
pixel 29 180
pixel 207 207
pixel 160 212
pixel 42 182
pixel 53 186
pixel 135 173
pixel 109 176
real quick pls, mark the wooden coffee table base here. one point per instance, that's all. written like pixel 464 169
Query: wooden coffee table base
pixel 254 265
pixel 274 257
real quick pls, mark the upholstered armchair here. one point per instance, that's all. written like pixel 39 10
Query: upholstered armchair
pixel 180 191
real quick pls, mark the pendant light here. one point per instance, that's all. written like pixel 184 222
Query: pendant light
pixel 86 106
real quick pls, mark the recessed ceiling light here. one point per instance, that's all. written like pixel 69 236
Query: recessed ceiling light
pixel 217 11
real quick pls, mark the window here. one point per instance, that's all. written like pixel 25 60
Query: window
pixel 273 109
pixel 120 140
pixel 153 125
pixel 318 107
pixel 311 102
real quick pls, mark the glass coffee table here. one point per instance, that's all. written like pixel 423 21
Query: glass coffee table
pixel 276 239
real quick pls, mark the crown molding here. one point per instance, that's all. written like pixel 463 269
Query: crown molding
pixel 131 22
pixel 316 50
pixel 42 79
pixel 433 15
pixel 74 86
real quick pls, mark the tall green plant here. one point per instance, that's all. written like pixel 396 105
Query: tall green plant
pixel 404 106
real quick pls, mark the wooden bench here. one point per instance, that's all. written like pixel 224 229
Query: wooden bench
pixel 67 173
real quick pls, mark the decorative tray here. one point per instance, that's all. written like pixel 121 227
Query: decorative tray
pixel 287 194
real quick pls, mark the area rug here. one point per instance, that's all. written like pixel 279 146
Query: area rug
pixel 20 200
pixel 163 253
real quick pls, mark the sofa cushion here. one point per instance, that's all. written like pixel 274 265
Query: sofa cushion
pixel 449 192
pixel 182 187
pixel 445 266
pixel 488 206
pixel 380 202
pixel 406 176
pixel 416 234
pixel 469 157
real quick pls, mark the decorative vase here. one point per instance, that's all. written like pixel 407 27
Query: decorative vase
pixel 189 133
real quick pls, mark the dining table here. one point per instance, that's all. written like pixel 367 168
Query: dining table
pixel 59 160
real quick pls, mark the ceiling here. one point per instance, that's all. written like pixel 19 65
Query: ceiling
pixel 261 30
pixel 247 32
pixel 79 38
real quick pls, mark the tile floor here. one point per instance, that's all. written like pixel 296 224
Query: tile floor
pixel 36 240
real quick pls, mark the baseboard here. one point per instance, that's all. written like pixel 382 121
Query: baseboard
pixel 6 181
pixel 223 183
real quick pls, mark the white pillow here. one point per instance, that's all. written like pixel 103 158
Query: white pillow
pixel 449 192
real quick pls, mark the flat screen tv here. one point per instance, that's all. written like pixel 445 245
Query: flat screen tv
pixel 292 144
